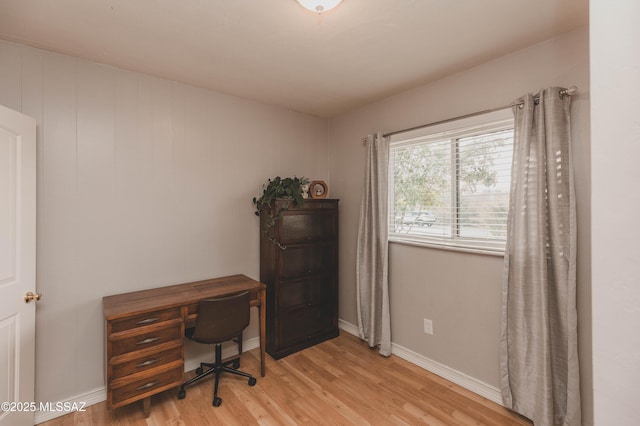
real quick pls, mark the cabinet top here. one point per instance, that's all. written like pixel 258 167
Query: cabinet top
pixel 309 203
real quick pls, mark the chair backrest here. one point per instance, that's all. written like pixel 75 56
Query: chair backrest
pixel 222 319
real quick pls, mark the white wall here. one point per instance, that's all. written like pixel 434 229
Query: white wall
pixel 142 182
pixel 615 132
pixel 460 292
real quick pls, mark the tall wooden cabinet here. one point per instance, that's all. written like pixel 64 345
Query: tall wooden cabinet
pixel 299 265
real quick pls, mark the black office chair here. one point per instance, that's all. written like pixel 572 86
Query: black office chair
pixel 220 320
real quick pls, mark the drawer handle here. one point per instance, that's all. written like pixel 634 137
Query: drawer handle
pixel 147 340
pixel 149 362
pixel 147 386
pixel 147 321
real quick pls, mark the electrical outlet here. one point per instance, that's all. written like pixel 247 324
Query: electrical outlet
pixel 428 326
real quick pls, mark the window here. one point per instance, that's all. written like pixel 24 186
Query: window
pixel 449 183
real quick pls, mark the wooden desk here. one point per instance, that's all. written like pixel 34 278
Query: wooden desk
pixel 144 335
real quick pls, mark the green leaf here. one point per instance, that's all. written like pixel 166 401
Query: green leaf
pixel 275 188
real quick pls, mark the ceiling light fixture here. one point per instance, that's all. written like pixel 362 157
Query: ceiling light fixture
pixel 319 5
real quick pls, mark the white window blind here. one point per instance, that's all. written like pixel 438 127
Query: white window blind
pixel 449 184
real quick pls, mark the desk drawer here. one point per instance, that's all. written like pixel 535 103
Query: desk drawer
pixel 144 319
pixel 146 363
pixel 145 340
pixel 149 385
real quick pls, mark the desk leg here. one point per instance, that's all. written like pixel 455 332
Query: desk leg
pixel 146 407
pixel 263 328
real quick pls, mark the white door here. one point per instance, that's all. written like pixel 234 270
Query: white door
pixel 17 266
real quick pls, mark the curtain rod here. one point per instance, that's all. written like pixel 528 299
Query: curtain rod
pixel 563 92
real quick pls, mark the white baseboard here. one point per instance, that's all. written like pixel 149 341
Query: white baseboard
pixel 82 402
pixel 470 383
pixel 474 385
pixel 348 327
pixel 100 394
pixel 461 379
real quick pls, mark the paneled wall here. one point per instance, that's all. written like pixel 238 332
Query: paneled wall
pixel 142 182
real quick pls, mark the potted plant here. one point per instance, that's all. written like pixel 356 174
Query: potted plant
pixel 278 188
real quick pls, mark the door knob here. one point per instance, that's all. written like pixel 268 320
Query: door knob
pixel 31 296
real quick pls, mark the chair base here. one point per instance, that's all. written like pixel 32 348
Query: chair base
pixel 216 368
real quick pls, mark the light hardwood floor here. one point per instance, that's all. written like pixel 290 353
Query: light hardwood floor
pixel 339 382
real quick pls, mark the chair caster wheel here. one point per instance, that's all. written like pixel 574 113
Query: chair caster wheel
pixel 181 394
pixel 217 401
pixel 199 371
pixel 236 364
pixel 252 381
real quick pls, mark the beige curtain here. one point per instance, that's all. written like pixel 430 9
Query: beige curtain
pixel 539 348
pixel 372 264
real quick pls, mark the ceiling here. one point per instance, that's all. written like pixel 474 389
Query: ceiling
pixel 276 52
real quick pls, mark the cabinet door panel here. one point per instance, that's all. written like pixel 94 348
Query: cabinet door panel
pixel 306 260
pixel 311 291
pixel 306 227
pixel 302 325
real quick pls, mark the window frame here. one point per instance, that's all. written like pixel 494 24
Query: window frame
pixel 452 130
